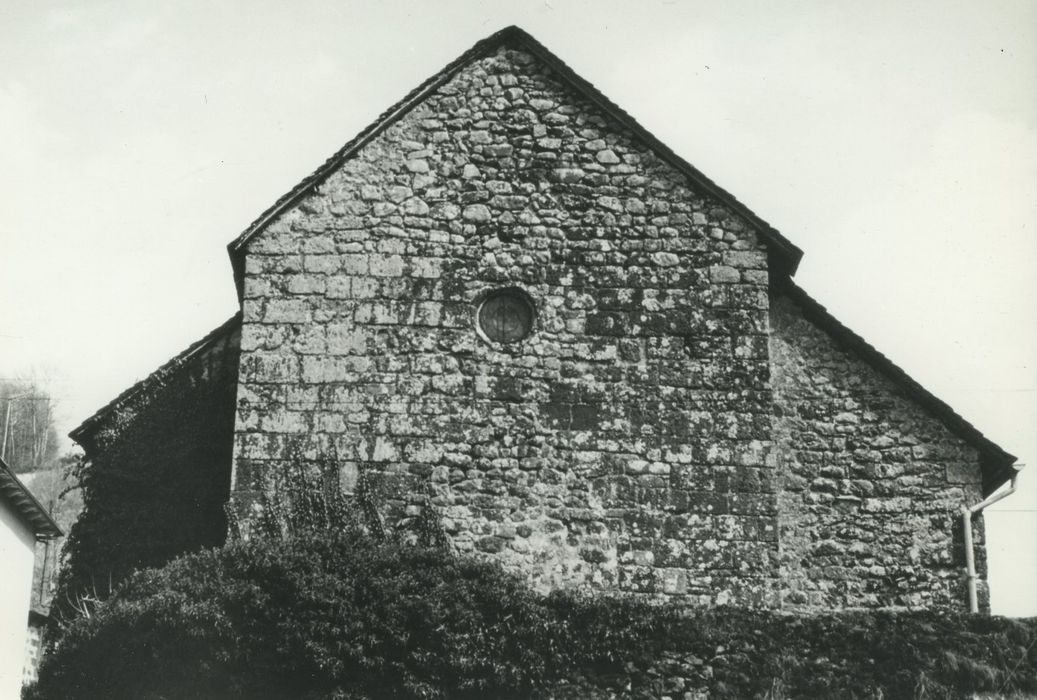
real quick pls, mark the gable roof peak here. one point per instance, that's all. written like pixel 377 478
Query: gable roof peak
pixel 785 255
pixel 510 33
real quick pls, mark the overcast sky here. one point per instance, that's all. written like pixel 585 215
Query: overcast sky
pixel 894 142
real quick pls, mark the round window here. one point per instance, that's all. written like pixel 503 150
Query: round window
pixel 506 316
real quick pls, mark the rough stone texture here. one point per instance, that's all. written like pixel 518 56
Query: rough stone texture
pixel 33 649
pixel 871 486
pixel 624 445
pixel 632 443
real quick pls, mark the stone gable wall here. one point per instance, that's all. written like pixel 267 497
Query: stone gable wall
pixel 871 486
pixel 623 446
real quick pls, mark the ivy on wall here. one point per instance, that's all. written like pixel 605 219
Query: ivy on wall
pixel 307 500
pixel 154 479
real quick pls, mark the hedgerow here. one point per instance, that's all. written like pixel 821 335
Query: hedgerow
pixel 350 617
pixel 342 616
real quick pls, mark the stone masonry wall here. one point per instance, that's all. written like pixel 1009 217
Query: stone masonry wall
pixel 871 485
pixel 623 446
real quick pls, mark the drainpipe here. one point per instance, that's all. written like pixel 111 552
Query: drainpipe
pixel 966 519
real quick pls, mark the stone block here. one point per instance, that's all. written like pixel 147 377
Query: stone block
pixel 724 274
pixel 476 213
pixel 286 311
pixel 386 265
pixel 271 368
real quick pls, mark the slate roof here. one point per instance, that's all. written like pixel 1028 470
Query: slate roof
pixel 31 512
pixel 996 462
pixel 156 378
pixel 786 255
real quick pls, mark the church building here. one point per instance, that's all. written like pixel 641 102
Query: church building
pixel 508 302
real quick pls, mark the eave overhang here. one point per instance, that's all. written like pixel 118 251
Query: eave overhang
pixel 29 510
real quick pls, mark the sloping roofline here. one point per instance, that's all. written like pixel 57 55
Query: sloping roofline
pixel 996 463
pixel 785 255
pixel 154 379
pixel 25 505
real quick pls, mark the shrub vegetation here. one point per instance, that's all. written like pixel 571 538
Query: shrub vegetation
pixel 351 617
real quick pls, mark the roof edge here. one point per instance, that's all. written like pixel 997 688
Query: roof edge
pixel 26 505
pixel 788 254
pixel 997 462
pixel 80 433
pixel 786 249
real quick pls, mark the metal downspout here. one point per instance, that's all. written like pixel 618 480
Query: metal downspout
pixel 966 517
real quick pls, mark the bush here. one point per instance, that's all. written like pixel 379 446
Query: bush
pixel 308 618
pixel 346 616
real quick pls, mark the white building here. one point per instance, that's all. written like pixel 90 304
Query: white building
pixel 23 523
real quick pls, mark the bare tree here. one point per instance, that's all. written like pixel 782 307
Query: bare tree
pixel 28 437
